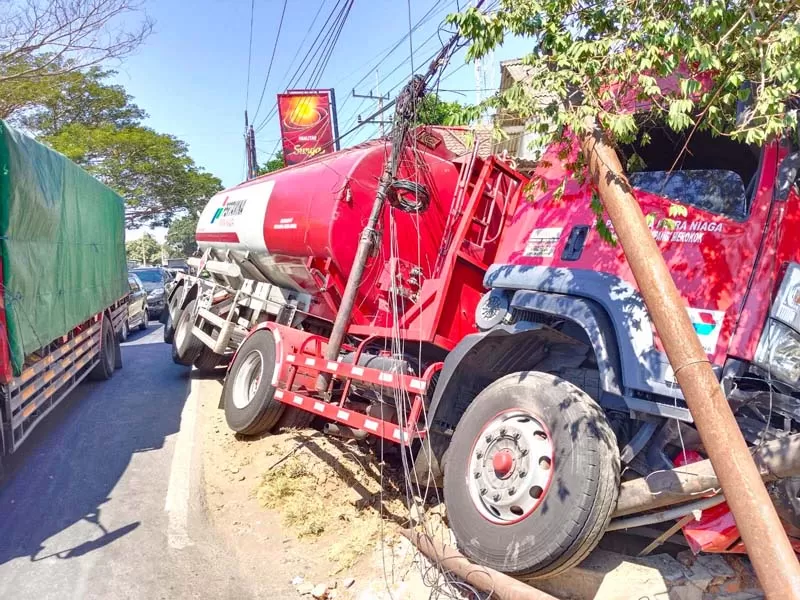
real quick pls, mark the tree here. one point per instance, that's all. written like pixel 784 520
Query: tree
pixel 590 55
pixel 273 164
pixel 144 250
pixel 47 38
pixel 98 126
pixel 152 171
pixel 81 97
pixel 180 237
pixel 435 111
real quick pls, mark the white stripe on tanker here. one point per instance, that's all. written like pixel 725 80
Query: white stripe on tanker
pixel 248 224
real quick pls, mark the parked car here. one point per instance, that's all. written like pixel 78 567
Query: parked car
pixel 155 280
pixel 137 307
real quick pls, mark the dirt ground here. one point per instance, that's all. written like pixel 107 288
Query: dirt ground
pixel 323 515
pixel 311 509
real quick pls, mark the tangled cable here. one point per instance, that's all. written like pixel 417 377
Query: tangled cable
pixel 408 196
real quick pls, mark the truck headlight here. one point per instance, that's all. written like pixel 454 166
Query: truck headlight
pixel 491 310
pixel 778 349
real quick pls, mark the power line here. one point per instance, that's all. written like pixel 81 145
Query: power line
pixel 390 50
pixel 249 54
pixel 314 80
pixel 271 59
pixel 437 8
pixel 298 74
pixel 410 37
pixel 303 41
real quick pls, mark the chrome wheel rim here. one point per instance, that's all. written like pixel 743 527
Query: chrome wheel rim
pixel 248 378
pixel 510 467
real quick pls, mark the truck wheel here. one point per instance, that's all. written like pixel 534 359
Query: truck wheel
pixel 208 361
pixel 185 346
pixel 295 418
pixel 108 353
pixel 169 329
pixel 532 475
pixel 248 393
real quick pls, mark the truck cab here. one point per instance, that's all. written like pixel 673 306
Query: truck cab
pixel 567 384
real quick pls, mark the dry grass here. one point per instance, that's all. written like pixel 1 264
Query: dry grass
pixel 331 489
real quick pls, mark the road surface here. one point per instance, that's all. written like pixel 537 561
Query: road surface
pixel 103 501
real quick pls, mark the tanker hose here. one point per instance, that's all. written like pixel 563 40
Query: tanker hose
pixel 408 196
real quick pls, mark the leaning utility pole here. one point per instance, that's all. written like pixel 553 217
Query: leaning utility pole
pixel 763 535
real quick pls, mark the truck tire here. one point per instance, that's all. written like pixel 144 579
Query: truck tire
pixel 294 418
pixel 169 329
pixel 532 476
pixel 108 353
pixel 185 346
pixel 208 361
pixel 248 393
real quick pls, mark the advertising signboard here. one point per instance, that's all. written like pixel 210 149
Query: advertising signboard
pixel 308 124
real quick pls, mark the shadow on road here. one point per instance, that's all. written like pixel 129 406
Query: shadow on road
pixel 69 469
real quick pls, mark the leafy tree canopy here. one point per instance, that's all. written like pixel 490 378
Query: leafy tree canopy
pixel 180 237
pixel 273 164
pixel 435 111
pixel 144 250
pixel 97 125
pixel 587 55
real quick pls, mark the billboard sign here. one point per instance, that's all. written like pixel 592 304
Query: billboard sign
pixel 308 124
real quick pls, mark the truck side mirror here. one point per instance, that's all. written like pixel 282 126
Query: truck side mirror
pixel 787 175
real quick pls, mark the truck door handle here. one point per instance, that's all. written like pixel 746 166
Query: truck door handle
pixel 574 246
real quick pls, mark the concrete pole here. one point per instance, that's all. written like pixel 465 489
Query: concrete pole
pixel 767 545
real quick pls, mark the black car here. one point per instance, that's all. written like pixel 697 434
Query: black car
pixel 155 280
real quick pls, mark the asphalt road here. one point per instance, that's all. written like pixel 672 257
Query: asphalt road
pixel 103 501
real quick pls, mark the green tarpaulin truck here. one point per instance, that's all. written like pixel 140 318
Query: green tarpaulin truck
pixel 63 281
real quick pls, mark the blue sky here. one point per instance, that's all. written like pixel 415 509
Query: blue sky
pixel 191 74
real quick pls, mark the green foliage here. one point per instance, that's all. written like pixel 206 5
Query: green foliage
pixel 80 98
pixel 98 126
pixel 435 111
pixel 152 171
pixel 180 237
pixel 273 164
pixel 144 250
pixel 590 55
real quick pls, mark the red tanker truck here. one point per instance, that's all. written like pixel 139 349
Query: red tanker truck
pixel 499 339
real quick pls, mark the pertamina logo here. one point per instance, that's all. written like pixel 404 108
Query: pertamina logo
pixel 708 325
pixel 229 209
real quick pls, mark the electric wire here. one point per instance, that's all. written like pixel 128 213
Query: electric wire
pixel 314 53
pixel 271 58
pixel 249 54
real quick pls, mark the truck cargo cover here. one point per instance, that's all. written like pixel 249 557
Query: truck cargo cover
pixel 62 238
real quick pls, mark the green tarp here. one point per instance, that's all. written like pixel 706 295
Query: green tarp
pixel 62 238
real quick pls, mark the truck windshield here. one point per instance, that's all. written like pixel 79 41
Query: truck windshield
pixel 717 191
pixel 149 276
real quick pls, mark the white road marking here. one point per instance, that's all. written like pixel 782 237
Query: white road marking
pixel 177 502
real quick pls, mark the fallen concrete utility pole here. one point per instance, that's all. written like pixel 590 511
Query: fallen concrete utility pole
pixel 499 585
pixel 763 535
pixel 775 460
